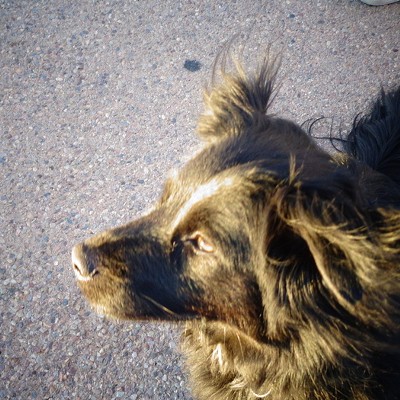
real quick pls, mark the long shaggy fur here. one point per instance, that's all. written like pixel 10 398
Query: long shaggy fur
pixel 283 260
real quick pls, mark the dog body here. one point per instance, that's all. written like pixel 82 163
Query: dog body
pixel 283 260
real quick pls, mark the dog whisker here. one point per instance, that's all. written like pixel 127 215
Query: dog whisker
pixel 156 303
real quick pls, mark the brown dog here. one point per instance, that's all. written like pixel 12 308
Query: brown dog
pixel 283 259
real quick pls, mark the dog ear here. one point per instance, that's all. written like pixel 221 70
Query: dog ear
pixel 355 253
pixel 240 101
pixel 324 238
pixel 325 219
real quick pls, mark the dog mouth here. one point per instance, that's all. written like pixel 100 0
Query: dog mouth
pixel 158 313
pixel 117 299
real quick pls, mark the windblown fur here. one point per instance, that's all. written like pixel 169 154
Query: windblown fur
pixel 282 259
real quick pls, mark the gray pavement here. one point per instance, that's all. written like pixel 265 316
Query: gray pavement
pixel 98 101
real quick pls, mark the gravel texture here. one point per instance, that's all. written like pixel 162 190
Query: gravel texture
pixel 98 101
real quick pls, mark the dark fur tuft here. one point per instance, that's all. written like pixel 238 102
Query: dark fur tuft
pixel 240 101
pixel 375 138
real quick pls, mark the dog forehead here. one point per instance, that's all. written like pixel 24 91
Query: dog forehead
pixel 201 193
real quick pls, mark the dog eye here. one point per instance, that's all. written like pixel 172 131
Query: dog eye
pixel 200 243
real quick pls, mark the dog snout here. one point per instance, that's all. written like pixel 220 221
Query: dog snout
pixel 83 267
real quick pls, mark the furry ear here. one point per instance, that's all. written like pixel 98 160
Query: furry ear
pixel 240 101
pixel 351 247
pixel 336 234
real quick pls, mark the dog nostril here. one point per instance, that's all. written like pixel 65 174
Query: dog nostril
pixel 83 268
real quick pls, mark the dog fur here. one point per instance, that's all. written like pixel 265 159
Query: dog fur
pixel 283 260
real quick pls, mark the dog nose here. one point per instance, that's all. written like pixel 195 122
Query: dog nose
pixel 84 269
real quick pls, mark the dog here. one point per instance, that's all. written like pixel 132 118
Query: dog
pixel 283 259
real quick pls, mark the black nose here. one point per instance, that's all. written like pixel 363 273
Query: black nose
pixel 83 267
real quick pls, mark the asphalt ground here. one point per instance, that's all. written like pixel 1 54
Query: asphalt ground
pixel 98 101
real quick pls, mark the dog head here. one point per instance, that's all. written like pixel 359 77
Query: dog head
pixel 259 230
